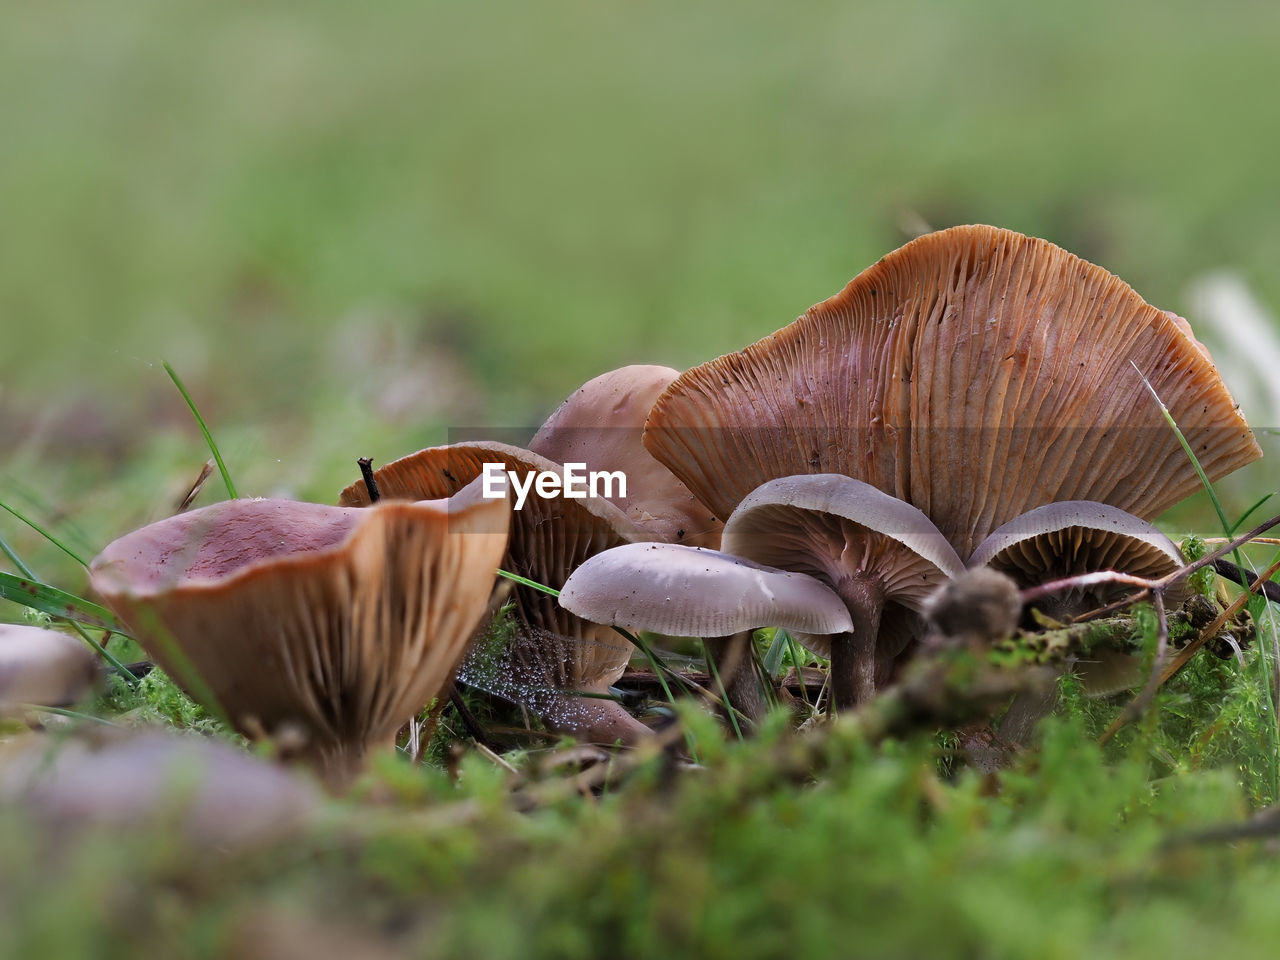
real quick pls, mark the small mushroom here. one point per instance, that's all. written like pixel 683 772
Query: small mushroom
pixel 976 373
pixel 697 592
pixel 213 794
pixel 883 557
pixel 601 425
pixel 327 625
pixel 1072 537
pixel 45 667
pixel 553 654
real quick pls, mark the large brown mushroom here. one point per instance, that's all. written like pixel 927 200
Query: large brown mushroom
pixel 976 373
pixel 881 556
pixel 327 625
pixel 553 654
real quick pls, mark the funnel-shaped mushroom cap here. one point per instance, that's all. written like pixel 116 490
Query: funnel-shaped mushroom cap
pixel 839 529
pixel 1073 537
pixel 693 591
pixel 214 794
pixel 45 667
pixel 976 373
pixel 332 622
pixel 601 425
pixel 552 649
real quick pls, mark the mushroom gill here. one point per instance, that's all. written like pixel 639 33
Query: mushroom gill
pixel 881 556
pixel 328 627
pixel 553 654
pixel 974 372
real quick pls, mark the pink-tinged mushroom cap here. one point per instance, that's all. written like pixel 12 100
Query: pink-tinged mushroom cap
pixel 334 623
pixel 976 373
pixel 601 425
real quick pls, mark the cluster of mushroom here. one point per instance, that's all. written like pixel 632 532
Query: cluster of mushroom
pixel 976 398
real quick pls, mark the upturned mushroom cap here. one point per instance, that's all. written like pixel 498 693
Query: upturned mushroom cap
pixel 601 425
pixel 838 529
pixel 1076 536
pixel 214 795
pixel 45 667
pixel 334 623
pixel 553 651
pixel 697 592
pixel 974 372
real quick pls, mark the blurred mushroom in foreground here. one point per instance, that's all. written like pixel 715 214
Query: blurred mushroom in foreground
pixel 324 627
pixel 209 792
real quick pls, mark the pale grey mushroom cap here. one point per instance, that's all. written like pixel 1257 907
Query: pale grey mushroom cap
pixel 45 667
pixel 1080 536
pixel 694 591
pixel 833 526
pixel 211 793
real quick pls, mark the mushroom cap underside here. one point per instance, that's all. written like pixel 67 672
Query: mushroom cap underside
pixel 335 622
pixel 974 372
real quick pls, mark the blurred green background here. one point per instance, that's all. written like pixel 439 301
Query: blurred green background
pixel 351 227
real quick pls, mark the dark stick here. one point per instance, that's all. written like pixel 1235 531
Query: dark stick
pixel 1227 569
pixel 366 471
pixel 468 718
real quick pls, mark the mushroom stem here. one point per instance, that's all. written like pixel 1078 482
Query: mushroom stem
pixel 596 721
pixel 339 765
pixel 734 663
pixel 853 655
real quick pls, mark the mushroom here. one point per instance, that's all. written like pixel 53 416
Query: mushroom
pixel 553 654
pixel 213 794
pixel 601 425
pixel 975 373
pixel 881 556
pixel 44 667
pixel 301 621
pixel 695 591
pixel 1072 537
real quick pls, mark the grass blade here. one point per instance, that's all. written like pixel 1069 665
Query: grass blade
pixel 44 533
pixel 1271 670
pixel 58 603
pixel 525 581
pixel 208 437
pixel 773 659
